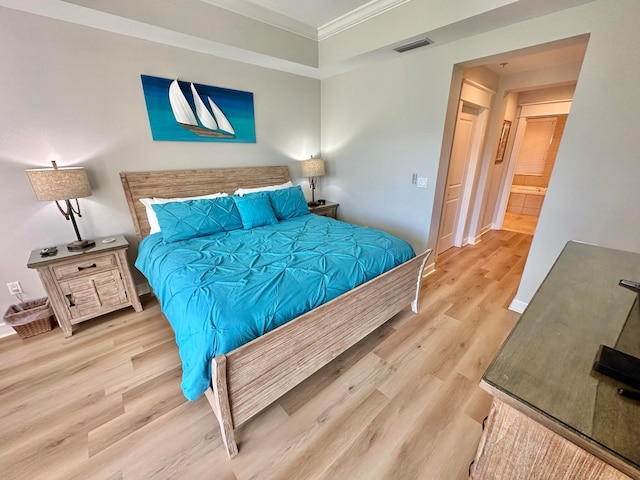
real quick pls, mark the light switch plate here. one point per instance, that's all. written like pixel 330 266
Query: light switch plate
pixel 422 182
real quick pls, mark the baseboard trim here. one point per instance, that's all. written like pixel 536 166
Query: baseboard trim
pixel 478 238
pixel 6 330
pixel 429 269
pixel 517 306
pixel 473 240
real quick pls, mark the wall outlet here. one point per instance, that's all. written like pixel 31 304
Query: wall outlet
pixel 422 182
pixel 14 288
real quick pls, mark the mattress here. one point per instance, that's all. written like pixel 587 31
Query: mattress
pixel 223 290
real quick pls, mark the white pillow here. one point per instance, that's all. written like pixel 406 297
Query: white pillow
pixel 243 191
pixel 151 214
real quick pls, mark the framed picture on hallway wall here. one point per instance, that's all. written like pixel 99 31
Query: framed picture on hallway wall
pixel 502 145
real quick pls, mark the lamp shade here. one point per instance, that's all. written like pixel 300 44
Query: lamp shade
pixel 313 167
pixel 52 184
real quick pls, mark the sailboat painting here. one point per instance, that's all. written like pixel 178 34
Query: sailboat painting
pixel 191 112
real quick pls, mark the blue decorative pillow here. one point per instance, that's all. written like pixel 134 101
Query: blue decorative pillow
pixel 196 218
pixel 288 202
pixel 255 210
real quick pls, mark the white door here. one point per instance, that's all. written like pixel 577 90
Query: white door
pixel 460 154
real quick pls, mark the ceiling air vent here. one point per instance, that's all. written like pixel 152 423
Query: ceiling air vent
pixel 423 42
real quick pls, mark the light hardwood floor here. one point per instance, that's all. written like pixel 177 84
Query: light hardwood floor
pixel 404 403
pixel 515 222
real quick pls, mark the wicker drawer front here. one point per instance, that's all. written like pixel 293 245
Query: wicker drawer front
pixel 88 295
pixel 84 267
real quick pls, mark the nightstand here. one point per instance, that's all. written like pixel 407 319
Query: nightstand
pixel 83 285
pixel 329 209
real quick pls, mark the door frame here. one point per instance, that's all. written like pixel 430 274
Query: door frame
pixel 480 97
pixel 530 110
pixel 470 174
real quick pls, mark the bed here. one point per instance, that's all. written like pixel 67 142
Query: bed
pixel 250 376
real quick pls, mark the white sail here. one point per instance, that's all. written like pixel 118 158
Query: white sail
pixel 223 122
pixel 179 105
pixel 211 124
pixel 203 114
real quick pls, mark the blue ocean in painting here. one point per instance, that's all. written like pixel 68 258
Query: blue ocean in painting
pixel 236 105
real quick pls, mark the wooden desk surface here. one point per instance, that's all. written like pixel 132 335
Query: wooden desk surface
pixel 545 366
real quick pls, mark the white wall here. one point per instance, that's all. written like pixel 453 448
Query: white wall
pixel 506 110
pixel 383 122
pixel 380 124
pixel 73 94
pixel 594 191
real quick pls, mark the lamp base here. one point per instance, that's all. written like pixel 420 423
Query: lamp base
pixel 313 204
pixel 79 245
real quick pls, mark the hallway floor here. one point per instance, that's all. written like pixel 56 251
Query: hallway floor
pixel 514 222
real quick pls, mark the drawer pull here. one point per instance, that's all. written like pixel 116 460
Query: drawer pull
pixel 71 304
pixel 85 268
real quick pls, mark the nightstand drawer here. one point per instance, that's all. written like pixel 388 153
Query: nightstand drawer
pixel 88 295
pixel 84 266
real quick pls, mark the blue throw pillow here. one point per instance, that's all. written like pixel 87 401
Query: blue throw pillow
pixel 288 202
pixel 196 218
pixel 255 210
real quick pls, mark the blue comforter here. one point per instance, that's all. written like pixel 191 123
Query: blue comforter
pixel 224 290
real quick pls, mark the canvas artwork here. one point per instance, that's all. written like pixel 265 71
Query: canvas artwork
pixel 191 112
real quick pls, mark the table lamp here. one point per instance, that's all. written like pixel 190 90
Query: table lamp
pixel 57 184
pixel 312 168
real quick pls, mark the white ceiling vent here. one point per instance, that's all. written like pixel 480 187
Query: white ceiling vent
pixel 423 42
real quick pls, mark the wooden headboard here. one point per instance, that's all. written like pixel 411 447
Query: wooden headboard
pixel 191 183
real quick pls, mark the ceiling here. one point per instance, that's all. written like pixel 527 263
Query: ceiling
pixel 561 53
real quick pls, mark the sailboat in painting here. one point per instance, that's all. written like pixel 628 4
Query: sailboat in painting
pixel 204 122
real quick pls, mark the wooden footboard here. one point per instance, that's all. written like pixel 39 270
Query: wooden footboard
pixel 251 377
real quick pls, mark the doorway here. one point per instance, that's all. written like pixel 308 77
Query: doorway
pixel 466 150
pixel 508 83
pixel 460 158
pixel 537 139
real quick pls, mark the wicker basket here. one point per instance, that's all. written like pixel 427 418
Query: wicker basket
pixel 30 317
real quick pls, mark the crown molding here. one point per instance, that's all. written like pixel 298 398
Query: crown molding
pixel 278 20
pixel 359 15
pixel 265 15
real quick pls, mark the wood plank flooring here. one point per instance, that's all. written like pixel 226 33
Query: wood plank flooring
pixel 404 403
pixel 515 222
